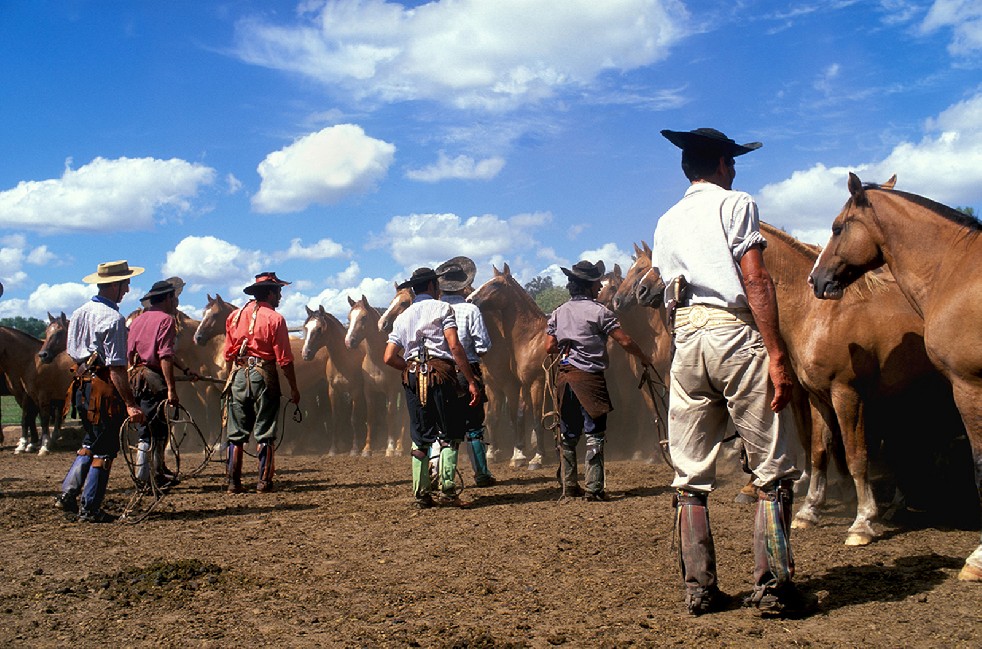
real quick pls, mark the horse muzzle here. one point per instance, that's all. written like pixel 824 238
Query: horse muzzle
pixel 825 287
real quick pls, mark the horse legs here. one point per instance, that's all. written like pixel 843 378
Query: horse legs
pixel 968 398
pixel 823 425
pixel 28 427
pixel 849 410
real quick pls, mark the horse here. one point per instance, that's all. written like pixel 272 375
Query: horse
pixel 345 378
pixel 55 338
pixel 382 385
pixel 514 363
pixel 646 328
pixel 933 252
pixel 403 298
pixel 213 319
pixel 18 353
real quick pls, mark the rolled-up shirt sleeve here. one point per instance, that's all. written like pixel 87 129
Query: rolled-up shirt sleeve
pixel 743 232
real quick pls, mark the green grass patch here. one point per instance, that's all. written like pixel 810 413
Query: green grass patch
pixel 11 411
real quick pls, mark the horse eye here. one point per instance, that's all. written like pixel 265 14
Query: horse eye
pixel 836 230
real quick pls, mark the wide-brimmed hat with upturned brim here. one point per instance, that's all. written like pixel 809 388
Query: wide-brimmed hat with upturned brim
pixel 457 274
pixel 265 279
pixel 709 141
pixel 420 278
pixel 584 271
pixel 112 271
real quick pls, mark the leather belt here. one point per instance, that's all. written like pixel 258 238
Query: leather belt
pixel 704 316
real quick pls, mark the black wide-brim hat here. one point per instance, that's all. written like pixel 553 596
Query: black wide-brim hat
pixel 709 141
pixel 456 274
pixel 267 278
pixel 420 277
pixel 585 271
pixel 162 287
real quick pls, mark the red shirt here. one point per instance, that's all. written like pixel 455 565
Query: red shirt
pixel 152 336
pixel 270 339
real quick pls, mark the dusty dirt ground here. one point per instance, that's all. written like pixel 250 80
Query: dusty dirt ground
pixel 337 557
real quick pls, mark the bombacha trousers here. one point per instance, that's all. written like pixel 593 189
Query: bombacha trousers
pixel 719 372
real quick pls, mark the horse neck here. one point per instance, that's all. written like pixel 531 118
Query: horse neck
pixel 520 315
pixel 17 349
pixel 789 263
pixel 922 248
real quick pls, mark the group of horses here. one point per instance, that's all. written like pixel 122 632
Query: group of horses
pixel 889 363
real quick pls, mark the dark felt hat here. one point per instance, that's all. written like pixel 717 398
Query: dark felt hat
pixel 420 278
pixel 456 274
pixel 709 141
pixel 267 278
pixel 585 271
pixel 159 288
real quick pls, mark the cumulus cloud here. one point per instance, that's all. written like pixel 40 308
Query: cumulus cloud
pixel 54 298
pixel 420 239
pixel 964 17
pixel 323 249
pixel 945 165
pixel 469 53
pixel 322 168
pixel 610 254
pixel 460 168
pixel 104 195
pixel 209 261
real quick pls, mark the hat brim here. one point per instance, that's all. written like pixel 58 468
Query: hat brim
pixel 573 274
pixel 96 278
pixel 446 269
pixel 689 141
pixel 251 289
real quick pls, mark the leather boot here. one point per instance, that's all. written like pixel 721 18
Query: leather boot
pixel 266 468
pixel 421 477
pixel 568 480
pixel 697 553
pixel 234 469
pixel 595 468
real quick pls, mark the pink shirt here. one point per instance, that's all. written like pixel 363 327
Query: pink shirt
pixel 270 339
pixel 152 337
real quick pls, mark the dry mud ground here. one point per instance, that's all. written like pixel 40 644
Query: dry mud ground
pixel 338 558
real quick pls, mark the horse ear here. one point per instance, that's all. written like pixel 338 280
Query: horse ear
pixel 497 272
pixel 396 284
pixel 506 270
pixel 364 299
pixel 208 295
pixel 218 298
pixel 617 271
pixel 309 312
pixel 51 318
pixel 320 308
pixel 856 188
pixel 63 316
pixel 647 248
pixel 350 301
pixel 637 251
pixel 890 183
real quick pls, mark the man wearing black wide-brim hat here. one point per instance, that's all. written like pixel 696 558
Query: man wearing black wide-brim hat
pixel 257 341
pixel 730 362
pixel 578 330
pixel 150 350
pixel 424 346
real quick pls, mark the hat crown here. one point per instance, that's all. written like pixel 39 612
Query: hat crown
pixel 585 271
pixel 112 271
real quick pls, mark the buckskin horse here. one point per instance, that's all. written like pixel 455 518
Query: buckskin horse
pixel 513 364
pixel 382 385
pixel 933 252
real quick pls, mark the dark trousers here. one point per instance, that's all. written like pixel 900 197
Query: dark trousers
pixel 434 419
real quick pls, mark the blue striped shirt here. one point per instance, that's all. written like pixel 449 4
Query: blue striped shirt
pixel 470 327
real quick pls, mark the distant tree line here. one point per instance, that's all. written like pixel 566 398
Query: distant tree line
pixel 545 294
pixel 31 326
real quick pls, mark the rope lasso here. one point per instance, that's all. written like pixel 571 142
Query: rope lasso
pixel 660 402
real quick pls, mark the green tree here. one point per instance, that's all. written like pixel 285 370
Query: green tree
pixel 969 211
pixel 31 326
pixel 539 284
pixel 551 298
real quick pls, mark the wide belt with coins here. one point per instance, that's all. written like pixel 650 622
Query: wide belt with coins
pixel 704 316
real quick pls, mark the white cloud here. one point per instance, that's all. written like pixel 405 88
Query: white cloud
pixel 233 183
pixel 469 53
pixel 41 256
pixel 610 254
pixel 322 168
pixel 460 168
pixel 104 195
pixel 54 298
pixel 420 239
pixel 323 249
pixel 965 19
pixel 209 261
pixel 945 165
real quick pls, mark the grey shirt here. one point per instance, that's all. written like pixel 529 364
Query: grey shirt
pixel 424 322
pixel 471 330
pixel 583 325
pixel 97 326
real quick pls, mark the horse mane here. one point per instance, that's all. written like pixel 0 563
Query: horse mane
pixel 524 295
pixel 940 209
pixel 806 249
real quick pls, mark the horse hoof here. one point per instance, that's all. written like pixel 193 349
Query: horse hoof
pixel 802 524
pixel 43 451
pixel 366 452
pixel 535 466
pixel 970 573
pixel 855 539
pixel 390 452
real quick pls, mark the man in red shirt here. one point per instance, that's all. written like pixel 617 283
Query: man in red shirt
pixel 256 341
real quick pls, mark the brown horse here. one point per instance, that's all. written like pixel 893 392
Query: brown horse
pixel 403 298
pixel 383 387
pixel 213 319
pixel 345 380
pixel 513 364
pixel 18 356
pixel 55 338
pixel 933 251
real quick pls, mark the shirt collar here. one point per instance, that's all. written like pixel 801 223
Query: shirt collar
pixel 697 188
pixel 421 297
pixel 454 299
pixel 104 300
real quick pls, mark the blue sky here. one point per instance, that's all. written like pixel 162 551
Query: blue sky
pixel 344 143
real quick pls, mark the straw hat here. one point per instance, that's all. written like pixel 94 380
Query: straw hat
pixel 112 271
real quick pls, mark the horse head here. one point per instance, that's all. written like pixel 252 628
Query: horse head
pixel 855 245
pixel 650 290
pixel 609 284
pixel 626 296
pixel 493 291
pixel 358 321
pixel 401 302
pixel 212 319
pixel 314 328
pixel 55 338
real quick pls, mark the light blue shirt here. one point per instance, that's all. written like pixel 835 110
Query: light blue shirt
pixel 470 327
pixel 97 326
